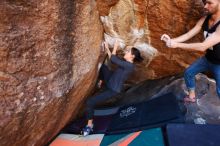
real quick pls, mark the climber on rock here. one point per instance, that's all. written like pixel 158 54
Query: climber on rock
pixel 114 80
pixel 210 24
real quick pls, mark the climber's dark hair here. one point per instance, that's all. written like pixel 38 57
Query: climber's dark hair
pixel 137 54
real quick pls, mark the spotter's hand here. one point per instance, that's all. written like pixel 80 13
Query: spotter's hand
pixel 165 38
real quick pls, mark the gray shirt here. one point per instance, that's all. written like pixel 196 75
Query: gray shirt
pixel 119 76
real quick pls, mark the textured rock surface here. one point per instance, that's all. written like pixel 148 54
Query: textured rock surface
pixel 142 22
pixel 49 52
pixel 206 110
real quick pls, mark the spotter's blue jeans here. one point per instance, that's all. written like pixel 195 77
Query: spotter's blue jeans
pixel 201 65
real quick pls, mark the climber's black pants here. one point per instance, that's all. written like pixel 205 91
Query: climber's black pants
pixel 94 100
pixel 104 74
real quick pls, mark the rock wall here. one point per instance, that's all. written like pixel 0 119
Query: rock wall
pixel 142 22
pixel 50 49
pixel 49 52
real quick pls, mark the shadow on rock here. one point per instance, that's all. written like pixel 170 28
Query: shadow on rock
pixel 205 110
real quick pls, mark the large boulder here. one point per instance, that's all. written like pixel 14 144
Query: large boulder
pixel 50 49
pixel 141 23
pixel 49 52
